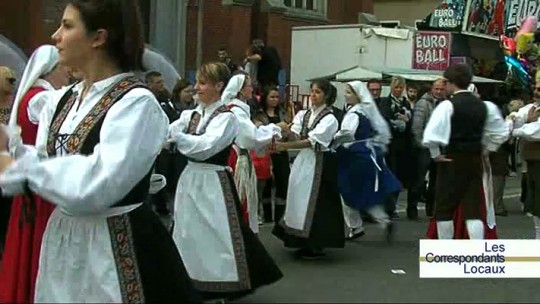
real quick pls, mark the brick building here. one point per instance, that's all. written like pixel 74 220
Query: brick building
pixel 172 25
pixel 234 24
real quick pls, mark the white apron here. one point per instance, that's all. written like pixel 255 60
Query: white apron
pixel 207 230
pixel 305 173
pixel 487 183
pixel 78 248
pixel 246 184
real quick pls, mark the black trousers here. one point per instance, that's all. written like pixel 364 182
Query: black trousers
pixel 5 211
pixel 424 164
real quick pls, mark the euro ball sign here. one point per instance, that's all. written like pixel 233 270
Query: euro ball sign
pixel 431 49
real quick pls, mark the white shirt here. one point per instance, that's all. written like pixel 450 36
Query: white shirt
pixel 220 132
pixel 324 131
pixel 132 134
pixel 438 129
pixel 250 136
pixel 528 131
pixel 36 104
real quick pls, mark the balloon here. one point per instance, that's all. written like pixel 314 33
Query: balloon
pixel 516 69
pixel 508 45
pixel 529 25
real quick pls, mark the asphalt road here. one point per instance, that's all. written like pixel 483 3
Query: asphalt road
pixel 362 271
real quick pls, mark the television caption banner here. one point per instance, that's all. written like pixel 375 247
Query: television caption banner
pixel 479 259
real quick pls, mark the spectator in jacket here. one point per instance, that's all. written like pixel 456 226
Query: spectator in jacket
pixel 268 63
pixel 375 88
pixel 397 112
pixel 422 112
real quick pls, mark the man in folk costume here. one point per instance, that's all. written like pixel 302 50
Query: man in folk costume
pixel 28 219
pixel 468 129
pixel 526 125
pixel 249 138
pixel 487 211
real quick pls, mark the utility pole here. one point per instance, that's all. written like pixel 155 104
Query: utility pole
pixel 200 15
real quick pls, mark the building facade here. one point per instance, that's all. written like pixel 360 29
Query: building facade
pixel 405 12
pixel 188 31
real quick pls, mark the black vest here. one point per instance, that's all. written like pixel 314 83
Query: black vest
pixel 86 135
pixel 468 123
pixel 222 156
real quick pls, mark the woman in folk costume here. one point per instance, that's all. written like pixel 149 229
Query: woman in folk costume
pixel 250 137
pixel 438 133
pixel 101 243
pixel 363 177
pixel 272 111
pixel 313 217
pixel 223 256
pixel 28 218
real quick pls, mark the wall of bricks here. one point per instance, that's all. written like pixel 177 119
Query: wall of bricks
pixel 232 27
pixel 223 26
pixel 14 24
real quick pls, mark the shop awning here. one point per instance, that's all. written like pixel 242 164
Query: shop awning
pixel 350 74
pixel 365 73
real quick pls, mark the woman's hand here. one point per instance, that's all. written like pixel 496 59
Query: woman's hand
pixel 5 161
pixel 4 139
pixel 284 126
pixel 280 146
pixel 403 117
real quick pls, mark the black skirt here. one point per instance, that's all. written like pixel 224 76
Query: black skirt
pixel 261 267
pixel 327 227
pixel 161 277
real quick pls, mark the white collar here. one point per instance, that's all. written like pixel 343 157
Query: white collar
pixel 101 85
pixel 42 83
pixel 317 110
pixel 204 109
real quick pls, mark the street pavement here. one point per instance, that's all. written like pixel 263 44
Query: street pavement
pixel 362 271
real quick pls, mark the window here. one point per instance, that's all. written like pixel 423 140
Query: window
pixel 309 5
pixel 300 4
pixel 390 23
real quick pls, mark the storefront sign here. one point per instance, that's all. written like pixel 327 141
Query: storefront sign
pixel 448 15
pixel 518 10
pixel 431 50
pixel 485 18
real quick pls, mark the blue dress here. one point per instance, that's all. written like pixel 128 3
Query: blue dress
pixel 364 180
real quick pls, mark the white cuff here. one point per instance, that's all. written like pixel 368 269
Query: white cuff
pixel 517 132
pixel 434 152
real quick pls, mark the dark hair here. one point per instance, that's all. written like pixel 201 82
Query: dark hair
pixel 151 75
pixel 412 85
pixel 329 90
pixel 460 75
pixel 181 84
pixel 122 21
pixel 374 80
pixel 266 91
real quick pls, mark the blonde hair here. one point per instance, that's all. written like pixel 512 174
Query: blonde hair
pixel 439 78
pixel 214 72
pixel 397 81
pixel 5 74
pixel 515 105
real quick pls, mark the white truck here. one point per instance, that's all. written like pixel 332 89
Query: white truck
pixel 318 51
